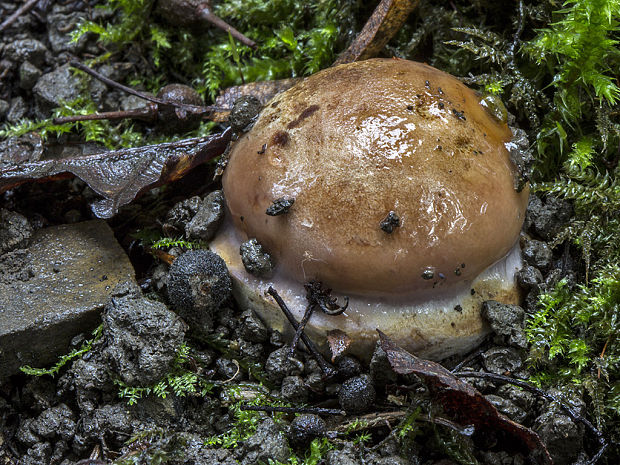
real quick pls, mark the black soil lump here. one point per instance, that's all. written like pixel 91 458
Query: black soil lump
pixel 244 113
pixel 198 284
pixel 304 428
pixel 357 395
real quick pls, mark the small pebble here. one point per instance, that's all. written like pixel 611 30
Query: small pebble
pixel 538 254
pixel 198 284
pixel 304 428
pixel 357 395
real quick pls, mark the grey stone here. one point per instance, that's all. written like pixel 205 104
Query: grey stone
pixel 15 231
pixel 357 395
pixel 380 369
pixel 59 27
pixel 244 112
pixel 525 400
pixel 529 277
pixel 294 390
pixel 29 74
pixel 227 369
pixel 182 212
pixel 279 365
pixel 143 337
pixel 17 110
pixel 26 50
pixel 208 219
pixel 507 322
pixel 75 267
pixel 538 254
pixel 38 454
pixel 54 88
pixel 113 420
pixel 344 456
pixel 507 407
pixel 268 443
pixel 547 218
pixel 501 360
pixel 252 328
pixel 4 108
pixel 563 438
pixel 391 460
pixel 54 423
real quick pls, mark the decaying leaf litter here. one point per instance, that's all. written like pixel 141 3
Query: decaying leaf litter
pixel 168 439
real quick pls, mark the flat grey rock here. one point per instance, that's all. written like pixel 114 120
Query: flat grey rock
pixel 71 271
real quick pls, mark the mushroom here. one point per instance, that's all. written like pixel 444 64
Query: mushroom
pixel 399 194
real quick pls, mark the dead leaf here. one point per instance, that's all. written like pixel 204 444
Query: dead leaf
pixel 462 401
pixel 383 24
pixel 121 175
pixel 338 342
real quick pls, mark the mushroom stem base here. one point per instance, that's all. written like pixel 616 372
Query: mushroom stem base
pixel 437 327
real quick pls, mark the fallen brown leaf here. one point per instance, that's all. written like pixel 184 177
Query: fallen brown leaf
pixel 338 342
pixel 465 404
pixel 121 175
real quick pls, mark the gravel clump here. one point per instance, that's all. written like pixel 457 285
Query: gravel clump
pixel 306 427
pixel 357 395
pixel 198 284
pixel 15 231
pixel 142 338
pixel 268 443
pixel 507 322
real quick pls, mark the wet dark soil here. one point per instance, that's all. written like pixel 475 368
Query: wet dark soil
pixel 79 415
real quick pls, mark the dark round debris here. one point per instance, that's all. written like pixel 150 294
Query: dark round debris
pixel 198 284
pixel 391 221
pixel 304 428
pixel 174 119
pixel 357 395
pixel 244 112
pixel 280 206
pixel 255 259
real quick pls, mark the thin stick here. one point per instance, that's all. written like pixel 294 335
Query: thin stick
pixel 190 108
pixel 315 410
pixel 467 359
pixel 300 329
pixel 142 113
pixel 327 370
pixel 20 11
pixel 218 22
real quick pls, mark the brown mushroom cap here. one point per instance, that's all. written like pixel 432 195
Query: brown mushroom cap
pixel 356 141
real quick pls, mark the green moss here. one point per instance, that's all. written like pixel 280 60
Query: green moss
pixel 180 381
pixel 63 360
